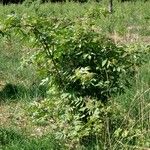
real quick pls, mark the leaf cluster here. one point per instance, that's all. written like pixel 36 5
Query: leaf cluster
pixel 75 57
pixel 82 68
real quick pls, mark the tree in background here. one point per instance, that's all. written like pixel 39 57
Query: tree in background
pixel 110 6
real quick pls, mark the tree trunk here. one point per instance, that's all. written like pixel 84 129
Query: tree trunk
pixel 110 6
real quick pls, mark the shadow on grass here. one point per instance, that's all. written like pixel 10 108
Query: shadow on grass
pixel 11 92
pixel 7 136
pixel 13 140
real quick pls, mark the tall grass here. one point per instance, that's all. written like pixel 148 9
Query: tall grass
pixel 136 101
pixel 10 139
pixel 128 17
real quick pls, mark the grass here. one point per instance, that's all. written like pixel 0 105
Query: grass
pixel 15 82
pixel 12 140
pixel 18 87
pixel 136 101
pixel 128 18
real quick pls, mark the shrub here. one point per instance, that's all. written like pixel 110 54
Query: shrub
pixel 76 58
pixel 83 70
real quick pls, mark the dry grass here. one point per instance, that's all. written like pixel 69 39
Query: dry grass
pixel 14 115
pixel 130 38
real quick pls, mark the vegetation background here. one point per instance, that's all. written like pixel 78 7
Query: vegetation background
pixel 30 117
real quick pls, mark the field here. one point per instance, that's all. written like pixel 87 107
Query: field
pixel 24 122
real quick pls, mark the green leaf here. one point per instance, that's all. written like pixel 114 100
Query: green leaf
pixel 104 62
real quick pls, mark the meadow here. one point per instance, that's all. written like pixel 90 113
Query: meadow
pixel 30 111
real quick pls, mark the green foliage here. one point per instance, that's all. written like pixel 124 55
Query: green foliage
pixel 75 57
pixel 111 126
pixel 11 139
pixel 83 70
